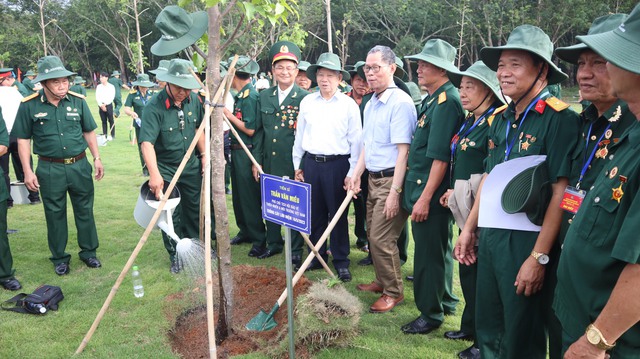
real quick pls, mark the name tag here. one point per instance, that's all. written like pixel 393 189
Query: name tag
pixel 572 199
pixel 73 114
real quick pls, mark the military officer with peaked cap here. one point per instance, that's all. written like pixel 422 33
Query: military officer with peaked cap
pixel 169 123
pixel 61 127
pixel 278 115
pixel 246 191
pixel 512 292
pixel 598 295
pixel 427 179
pixel 7 78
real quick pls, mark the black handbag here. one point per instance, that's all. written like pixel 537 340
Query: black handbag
pixel 44 298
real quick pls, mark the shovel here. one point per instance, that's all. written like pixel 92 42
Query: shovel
pixel 264 321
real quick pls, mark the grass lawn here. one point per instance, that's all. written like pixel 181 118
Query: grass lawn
pixel 136 328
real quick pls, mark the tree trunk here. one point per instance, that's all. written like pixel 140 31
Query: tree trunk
pixel 140 65
pixel 329 31
pixel 225 315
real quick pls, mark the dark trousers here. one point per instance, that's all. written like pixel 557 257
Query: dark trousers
pixel 17 168
pixel 327 193
pixel 360 211
pixel 4 164
pixel 107 116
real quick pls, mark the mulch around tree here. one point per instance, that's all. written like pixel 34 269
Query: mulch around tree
pixel 256 288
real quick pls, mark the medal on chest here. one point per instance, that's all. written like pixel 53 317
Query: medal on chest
pixel 617 192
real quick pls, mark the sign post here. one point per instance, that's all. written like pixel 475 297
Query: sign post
pixel 287 203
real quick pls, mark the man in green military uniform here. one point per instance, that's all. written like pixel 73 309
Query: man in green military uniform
pixel 169 124
pixel 61 126
pixel 27 81
pixel 119 85
pixel 426 181
pixel 246 191
pixel 276 128
pixel 511 307
pixel 78 86
pixel 598 295
pixel 7 279
pixel 134 105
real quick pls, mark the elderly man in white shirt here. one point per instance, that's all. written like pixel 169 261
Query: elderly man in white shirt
pixel 325 153
pixel 105 94
pixel 10 99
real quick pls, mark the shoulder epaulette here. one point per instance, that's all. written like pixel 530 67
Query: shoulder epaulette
pixel 442 97
pixel 31 97
pixel 500 109
pixel 76 94
pixel 556 104
pixel 132 91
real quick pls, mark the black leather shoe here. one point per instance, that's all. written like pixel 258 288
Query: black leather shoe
pixel 268 253
pixel 12 231
pixel 419 326
pixel 175 267
pixel 11 284
pixel 409 278
pixel 62 268
pixel 257 251
pixel 470 353
pixel 36 201
pixel 296 260
pixel 344 274
pixel 366 261
pixel 239 240
pixel 92 262
pixel 458 335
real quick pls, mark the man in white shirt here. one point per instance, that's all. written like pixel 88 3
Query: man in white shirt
pixel 325 153
pixel 105 94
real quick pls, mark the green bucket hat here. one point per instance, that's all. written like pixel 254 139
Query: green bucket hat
pixel 600 25
pixel 480 72
pixel 621 46
pixel 30 73
pixel 115 73
pixel 179 74
pixel 78 80
pixel 303 66
pixel 414 90
pixel 529 192
pixel 438 53
pixel 50 67
pixel 163 66
pixel 179 30
pixel 245 65
pixel 328 61
pixel 527 38
pixel 143 81
pixel 284 50
pixel 356 69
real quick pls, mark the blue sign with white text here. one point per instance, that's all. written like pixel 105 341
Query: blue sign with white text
pixel 286 202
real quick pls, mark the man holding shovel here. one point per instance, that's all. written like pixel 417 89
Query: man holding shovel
pixel 169 124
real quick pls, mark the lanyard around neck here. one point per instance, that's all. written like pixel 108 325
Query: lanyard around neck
pixel 510 144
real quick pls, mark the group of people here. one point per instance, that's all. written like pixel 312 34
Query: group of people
pixel 544 198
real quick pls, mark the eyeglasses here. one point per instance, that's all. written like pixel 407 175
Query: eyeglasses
pixel 285 68
pixel 181 117
pixel 374 68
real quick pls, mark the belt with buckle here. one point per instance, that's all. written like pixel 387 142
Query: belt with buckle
pixel 325 158
pixel 239 147
pixel 382 174
pixel 66 161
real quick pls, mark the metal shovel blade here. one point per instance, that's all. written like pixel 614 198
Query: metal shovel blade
pixel 263 321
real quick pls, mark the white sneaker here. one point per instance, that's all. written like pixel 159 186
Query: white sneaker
pixel 109 138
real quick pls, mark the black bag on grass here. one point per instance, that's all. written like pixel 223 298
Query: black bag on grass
pixel 40 301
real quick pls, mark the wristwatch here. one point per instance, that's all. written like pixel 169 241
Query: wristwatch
pixel 540 257
pixel 595 337
pixel 397 189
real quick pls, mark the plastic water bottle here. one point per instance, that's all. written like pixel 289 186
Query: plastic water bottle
pixel 35 308
pixel 138 289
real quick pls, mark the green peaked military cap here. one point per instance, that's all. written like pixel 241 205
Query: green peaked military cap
pixel 163 66
pixel 303 66
pixel 30 73
pixel 621 46
pixel 529 192
pixel 526 38
pixel 438 53
pixel 328 61
pixel 179 74
pixel 6 72
pixel 179 30
pixel 480 72
pixel 600 25
pixel 50 67
pixel 245 65
pixel 78 80
pixel 284 50
pixel 143 81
